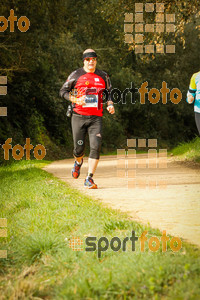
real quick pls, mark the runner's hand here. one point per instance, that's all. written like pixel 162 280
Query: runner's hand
pixel 111 109
pixel 190 99
pixel 80 100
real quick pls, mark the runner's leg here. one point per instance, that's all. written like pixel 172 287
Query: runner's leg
pixel 95 138
pixel 79 131
pixel 92 165
pixel 197 120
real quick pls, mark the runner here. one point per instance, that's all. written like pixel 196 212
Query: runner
pixel 194 94
pixel 84 88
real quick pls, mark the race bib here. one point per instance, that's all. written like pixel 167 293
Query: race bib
pixel 91 101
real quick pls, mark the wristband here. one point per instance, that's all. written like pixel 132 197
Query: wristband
pixel 110 105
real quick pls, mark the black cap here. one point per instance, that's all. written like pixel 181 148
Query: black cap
pixel 89 54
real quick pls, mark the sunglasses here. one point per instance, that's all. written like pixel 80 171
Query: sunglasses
pixel 91 58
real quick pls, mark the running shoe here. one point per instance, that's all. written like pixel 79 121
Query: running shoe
pixel 76 169
pixel 89 183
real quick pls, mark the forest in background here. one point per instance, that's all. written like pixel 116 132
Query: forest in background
pixel 38 62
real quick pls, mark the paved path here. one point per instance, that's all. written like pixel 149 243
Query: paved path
pixel 175 208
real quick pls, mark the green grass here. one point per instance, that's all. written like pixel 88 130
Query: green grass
pixel 188 151
pixel 44 213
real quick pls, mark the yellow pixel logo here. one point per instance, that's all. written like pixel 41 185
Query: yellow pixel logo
pixel 129 164
pixel 163 23
pixel 3 233
pixel 76 244
pixel 3 92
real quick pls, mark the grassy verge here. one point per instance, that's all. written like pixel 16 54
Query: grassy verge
pixel 188 151
pixel 44 214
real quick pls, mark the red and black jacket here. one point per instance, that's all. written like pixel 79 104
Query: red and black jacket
pixel 95 83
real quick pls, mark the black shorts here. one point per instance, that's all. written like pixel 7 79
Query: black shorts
pixel 81 125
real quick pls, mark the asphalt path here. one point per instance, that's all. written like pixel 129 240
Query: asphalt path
pixel 166 198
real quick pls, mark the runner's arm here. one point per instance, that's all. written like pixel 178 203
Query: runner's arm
pixel 68 86
pixel 109 88
pixel 192 90
pixel 110 106
pixel 67 89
